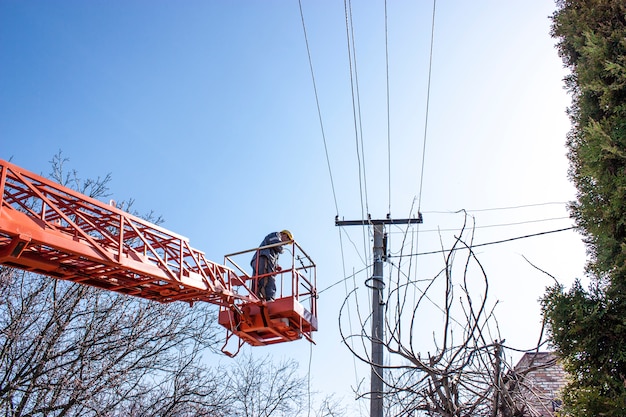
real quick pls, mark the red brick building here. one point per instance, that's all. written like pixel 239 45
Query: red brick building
pixel 535 383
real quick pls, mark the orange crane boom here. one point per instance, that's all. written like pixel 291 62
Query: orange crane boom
pixel 49 229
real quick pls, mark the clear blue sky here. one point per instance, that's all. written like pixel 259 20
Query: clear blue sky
pixel 205 112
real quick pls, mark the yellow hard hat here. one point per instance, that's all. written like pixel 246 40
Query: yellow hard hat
pixel 288 233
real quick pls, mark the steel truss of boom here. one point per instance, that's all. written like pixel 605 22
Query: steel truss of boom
pixel 49 229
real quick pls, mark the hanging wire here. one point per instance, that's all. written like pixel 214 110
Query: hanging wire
pixel 489 226
pixel 332 184
pixel 421 186
pixel 388 110
pixel 346 292
pixel 358 120
pixel 356 111
pixel 430 67
pixel 341 245
pixel 549 203
pixel 319 112
pixel 309 378
pixel 497 242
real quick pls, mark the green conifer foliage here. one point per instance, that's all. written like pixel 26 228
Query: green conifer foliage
pixel 588 327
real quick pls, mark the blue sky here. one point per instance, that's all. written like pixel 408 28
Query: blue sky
pixel 205 112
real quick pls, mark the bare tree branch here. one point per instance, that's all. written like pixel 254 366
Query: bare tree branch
pixel 464 373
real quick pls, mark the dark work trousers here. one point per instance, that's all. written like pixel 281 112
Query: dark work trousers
pixel 266 286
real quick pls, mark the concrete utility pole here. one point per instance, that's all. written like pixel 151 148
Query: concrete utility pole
pixel 377 284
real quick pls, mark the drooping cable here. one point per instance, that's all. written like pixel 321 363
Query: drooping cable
pixel 343 261
pixel 549 203
pixel 356 114
pixel 309 378
pixel 497 242
pixel 328 161
pixel 430 67
pixel 388 110
pixel 359 119
pixel 330 174
pixel 346 292
pixel 421 185
pixel 489 226
pixel 319 112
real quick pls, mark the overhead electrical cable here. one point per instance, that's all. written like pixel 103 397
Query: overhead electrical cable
pixel 319 112
pixel 430 67
pixel 499 208
pixel 489 225
pixel 347 291
pixel 356 115
pixel 477 245
pixel 424 139
pixel 309 378
pixel 388 110
pixel 344 279
pixel 447 250
pixel 332 183
pixel 359 118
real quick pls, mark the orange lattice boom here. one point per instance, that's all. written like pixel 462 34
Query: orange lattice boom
pixel 49 229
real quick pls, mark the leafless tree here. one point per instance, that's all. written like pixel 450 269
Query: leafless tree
pixel 67 349
pixel 72 350
pixel 462 371
pixel 265 388
pixel 330 406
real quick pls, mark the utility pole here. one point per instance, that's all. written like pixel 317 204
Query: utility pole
pixel 377 284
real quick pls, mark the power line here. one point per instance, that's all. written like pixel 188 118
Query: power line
pixel 487 243
pixel 422 170
pixel 444 251
pixel 328 158
pixel 498 208
pixel 430 67
pixel 355 97
pixel 317 102
pixel 493 225
pixel 356 114
pixel 388 111
pixel 332 184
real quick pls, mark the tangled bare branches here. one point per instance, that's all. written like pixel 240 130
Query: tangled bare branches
pixel 444 351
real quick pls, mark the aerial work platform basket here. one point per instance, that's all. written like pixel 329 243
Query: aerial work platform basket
pixel 291 316
pixel 50 229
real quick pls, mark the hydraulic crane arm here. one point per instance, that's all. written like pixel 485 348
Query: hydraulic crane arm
pixel 49 229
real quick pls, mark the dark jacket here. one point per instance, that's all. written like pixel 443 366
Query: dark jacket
pixel 270 253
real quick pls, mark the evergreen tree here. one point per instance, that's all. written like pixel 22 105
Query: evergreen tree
pixel 588 327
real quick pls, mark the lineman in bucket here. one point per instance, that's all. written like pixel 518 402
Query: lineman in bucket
pixel 265 261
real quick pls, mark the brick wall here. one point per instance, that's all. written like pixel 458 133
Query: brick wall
pixel 539 379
